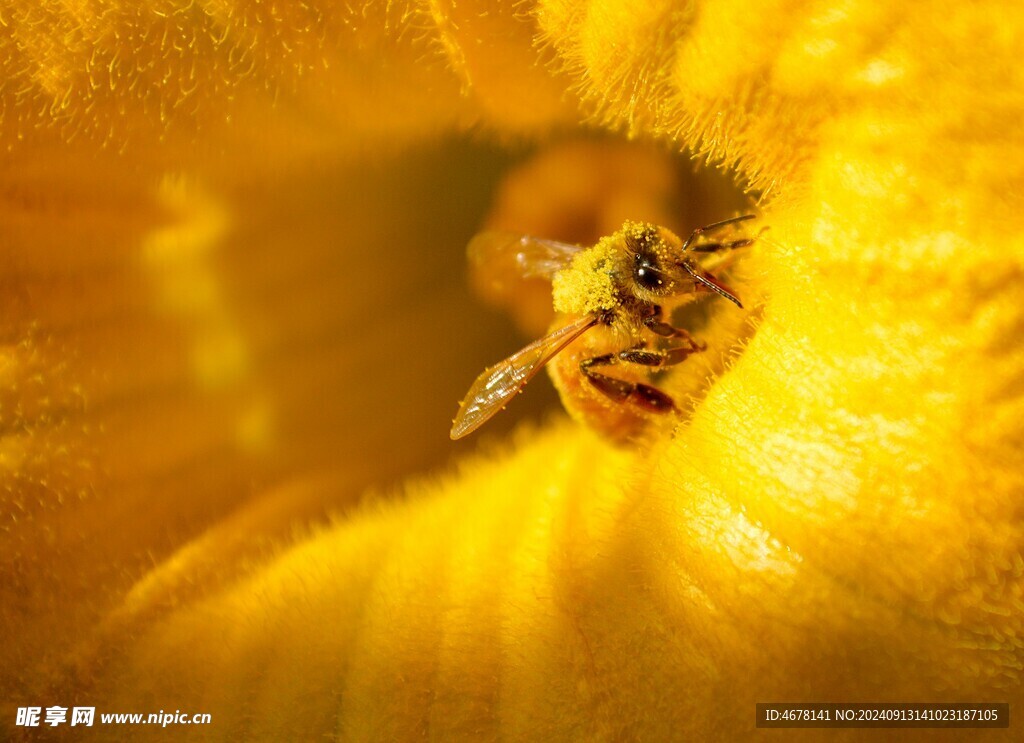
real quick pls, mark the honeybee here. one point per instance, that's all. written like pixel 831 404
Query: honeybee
pixel 621 286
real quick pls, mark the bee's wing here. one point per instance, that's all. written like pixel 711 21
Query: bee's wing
pixel 495 387
pixel 527 256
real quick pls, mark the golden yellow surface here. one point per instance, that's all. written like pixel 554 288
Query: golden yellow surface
pixel 233 313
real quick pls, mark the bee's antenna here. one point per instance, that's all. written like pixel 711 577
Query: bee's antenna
pixel 712 285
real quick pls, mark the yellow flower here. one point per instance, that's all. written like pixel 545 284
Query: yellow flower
pixel 228 313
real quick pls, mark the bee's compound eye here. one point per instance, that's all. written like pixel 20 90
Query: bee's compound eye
pixel 646 272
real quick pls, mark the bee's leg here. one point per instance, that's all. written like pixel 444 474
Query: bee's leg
pixel 619 390
pixel 655 324
pixel 730 245
pixel 712 227
pixel 668 357
pixel 715 247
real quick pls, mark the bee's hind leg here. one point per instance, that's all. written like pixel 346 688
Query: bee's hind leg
pixel 619 390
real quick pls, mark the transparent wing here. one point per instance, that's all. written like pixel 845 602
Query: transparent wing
pixel 499 383
pixel 528 257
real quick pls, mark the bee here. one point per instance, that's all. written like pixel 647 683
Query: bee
pixel 621 286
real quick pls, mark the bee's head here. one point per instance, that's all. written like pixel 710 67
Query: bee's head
pixel 653 270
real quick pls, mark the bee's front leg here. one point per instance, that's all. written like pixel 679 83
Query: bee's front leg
pixel 655 324
pixel 712 247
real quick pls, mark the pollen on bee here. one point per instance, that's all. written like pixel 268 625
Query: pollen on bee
pixel 587 285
